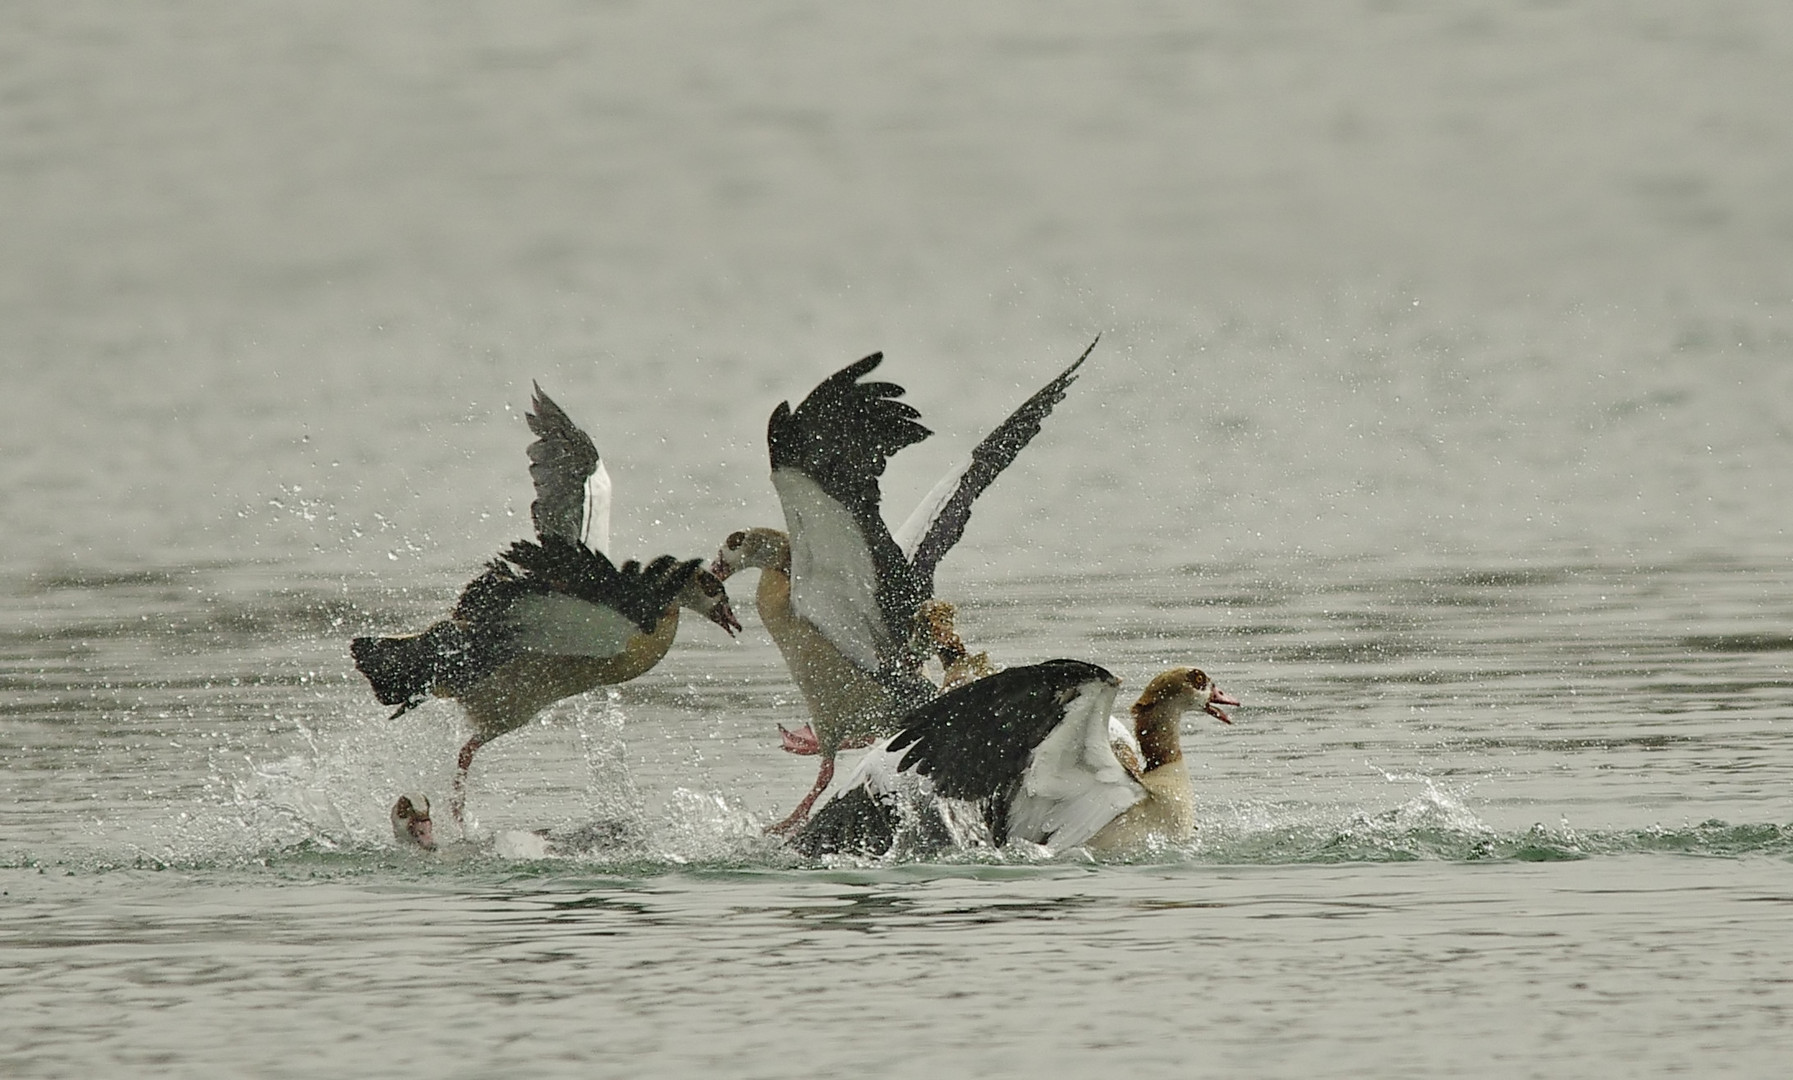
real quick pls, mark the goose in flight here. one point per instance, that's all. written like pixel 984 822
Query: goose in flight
pixel 838 591
pixel 547 618
pixel 1032 753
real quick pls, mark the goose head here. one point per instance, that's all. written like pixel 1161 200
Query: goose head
pixel 1180 689
pixel 705 595
pixel 411 822
pixel 935 634
pixel 760 548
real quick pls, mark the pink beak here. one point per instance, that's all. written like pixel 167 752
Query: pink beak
pixel 1220 697
pixel 724 616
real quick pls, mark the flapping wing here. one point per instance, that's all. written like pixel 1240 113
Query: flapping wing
pixel 555 624
pixel 1074 784
pixel 979 742
pixel 848 577
pixel 938 523
pixel 875 809
pixel 564 599
pixel 572 487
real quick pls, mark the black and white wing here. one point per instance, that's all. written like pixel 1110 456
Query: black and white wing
pixel 572 487
pixel 848 576
pixel 560 598
pixel 1074 783
pixel 1030 743
pixel 939 521
pixel 876 809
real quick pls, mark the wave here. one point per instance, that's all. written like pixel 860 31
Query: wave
pixel 301 832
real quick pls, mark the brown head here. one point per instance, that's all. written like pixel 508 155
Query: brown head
pixel 759 547
pixel 934 632
pixel 411 822
pixel 1162 704
pixel 705 595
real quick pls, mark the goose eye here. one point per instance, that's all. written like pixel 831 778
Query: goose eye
pixel 735 540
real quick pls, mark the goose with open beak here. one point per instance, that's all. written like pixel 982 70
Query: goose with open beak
pixel 1032 751
pixel 548 618
pixel 838 591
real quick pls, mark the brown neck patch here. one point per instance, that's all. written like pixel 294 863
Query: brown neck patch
pixel 1156 727
pixel 1157 712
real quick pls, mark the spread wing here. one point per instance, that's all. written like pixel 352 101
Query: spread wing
pixel 1021 742
pixel 848 577
pixel 876 809
pixel 561 598
pixel 572 487
pixel 939 521
pixel 1074 784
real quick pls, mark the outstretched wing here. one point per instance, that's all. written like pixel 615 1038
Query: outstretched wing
pixel 572 487
pixel 561 598
pixel 938 523
pixel 848 576
pixel 1019 742
pixel 1074 784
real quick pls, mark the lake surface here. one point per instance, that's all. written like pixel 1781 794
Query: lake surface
pixel 1443 412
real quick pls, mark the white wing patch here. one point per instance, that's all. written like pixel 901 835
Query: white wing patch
pixel 1073 784
pixel 879 773
pixel 555 624
pixel 597 510
pixel 834 583
pixel 916 525
pixel 1119 732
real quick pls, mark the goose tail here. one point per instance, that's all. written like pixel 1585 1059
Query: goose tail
pixel 404 670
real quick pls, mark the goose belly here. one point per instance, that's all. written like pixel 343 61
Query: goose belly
pixel 1165 815
pixel 843 701
pixel 514 692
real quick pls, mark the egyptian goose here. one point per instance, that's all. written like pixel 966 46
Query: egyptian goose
pixel 547 619
pixel 411 822
pixel 838 592
pixel 1031 749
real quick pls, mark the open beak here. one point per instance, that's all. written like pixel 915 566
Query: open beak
pixel 724 616
pixel 721 569
pixel 1217 698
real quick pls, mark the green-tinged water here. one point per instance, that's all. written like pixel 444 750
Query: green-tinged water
pixel 1475 820
pixel 1443 412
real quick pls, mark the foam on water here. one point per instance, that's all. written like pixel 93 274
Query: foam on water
pixel 327 809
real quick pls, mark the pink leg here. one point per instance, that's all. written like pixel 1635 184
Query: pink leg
pixel 457 801
pixel 803 741
pixel 823 776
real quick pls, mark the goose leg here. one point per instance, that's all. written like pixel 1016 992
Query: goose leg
pixel 823 776
pixel 457 801
pixel 804 742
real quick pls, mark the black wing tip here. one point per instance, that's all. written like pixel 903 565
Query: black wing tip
pixel 1054 391
pixel 1071 372
pixel 543 408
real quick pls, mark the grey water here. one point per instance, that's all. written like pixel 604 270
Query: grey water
pixel 1443 411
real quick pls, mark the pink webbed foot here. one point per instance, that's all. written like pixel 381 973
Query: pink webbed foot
pixel 802 741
